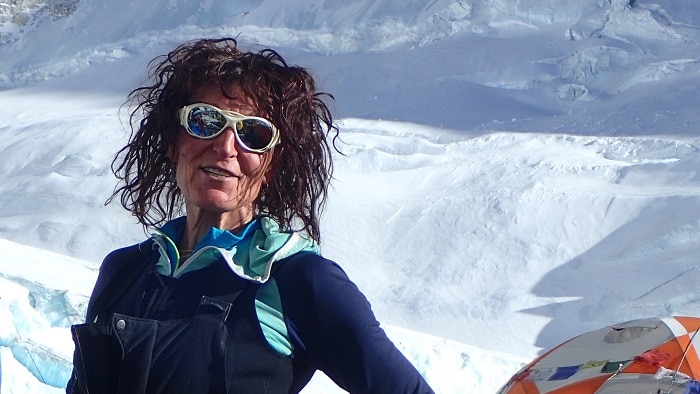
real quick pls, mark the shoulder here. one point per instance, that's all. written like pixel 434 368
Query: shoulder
pixel 117 271
pixel 144 248
pixel 309 272
pixel 306 263
pixel 117 259
pixel 312 287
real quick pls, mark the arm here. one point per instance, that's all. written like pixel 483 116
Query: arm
pixel 333 327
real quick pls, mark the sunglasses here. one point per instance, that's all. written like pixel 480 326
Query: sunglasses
pixel 207 121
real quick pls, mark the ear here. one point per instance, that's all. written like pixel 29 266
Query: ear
pixel 268 177
pixel 270 171
pixel 172 153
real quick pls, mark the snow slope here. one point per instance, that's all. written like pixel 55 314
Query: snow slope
pixel 514 172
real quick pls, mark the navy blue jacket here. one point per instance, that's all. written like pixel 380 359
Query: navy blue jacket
pixel 330 323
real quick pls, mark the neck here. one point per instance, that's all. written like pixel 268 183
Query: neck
pixel 199 222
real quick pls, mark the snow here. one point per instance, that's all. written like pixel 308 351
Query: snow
pixel 514 173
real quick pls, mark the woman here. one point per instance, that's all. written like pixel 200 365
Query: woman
pixel 233 297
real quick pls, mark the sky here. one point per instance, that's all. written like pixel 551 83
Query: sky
pixel 512 174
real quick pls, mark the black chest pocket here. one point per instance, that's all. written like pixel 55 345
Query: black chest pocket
pixel 125 354
pixel 217 350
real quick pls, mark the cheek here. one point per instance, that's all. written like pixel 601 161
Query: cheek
pixel 185 162
pixel 251 164
pixel 189 150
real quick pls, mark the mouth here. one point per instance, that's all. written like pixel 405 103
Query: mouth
pixel 218 172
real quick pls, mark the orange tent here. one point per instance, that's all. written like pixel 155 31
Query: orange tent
pixel 645 356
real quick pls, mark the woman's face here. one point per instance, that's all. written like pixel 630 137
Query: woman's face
pixel 217 175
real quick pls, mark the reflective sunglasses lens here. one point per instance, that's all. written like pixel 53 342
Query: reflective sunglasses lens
pixel 254 133
pixel 205 122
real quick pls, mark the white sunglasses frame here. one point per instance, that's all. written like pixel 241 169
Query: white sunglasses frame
pixel 232 118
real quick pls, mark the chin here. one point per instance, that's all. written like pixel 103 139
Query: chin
pixel 213 203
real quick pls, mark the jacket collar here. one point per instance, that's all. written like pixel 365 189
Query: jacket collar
pixel 249 253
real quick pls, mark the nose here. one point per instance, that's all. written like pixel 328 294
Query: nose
pixel 226 144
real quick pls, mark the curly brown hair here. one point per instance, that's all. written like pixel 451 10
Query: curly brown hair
pixel 285 94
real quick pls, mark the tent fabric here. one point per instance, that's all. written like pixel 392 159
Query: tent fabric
pixel 653 355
